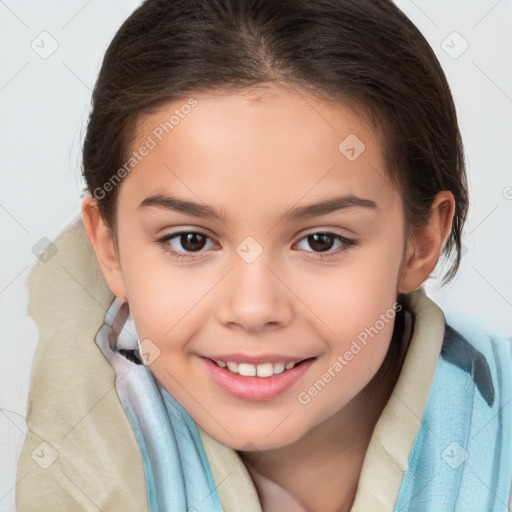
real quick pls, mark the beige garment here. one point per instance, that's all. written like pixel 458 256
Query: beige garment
pixel 80 453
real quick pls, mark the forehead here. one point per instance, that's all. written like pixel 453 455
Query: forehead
pixel 271 144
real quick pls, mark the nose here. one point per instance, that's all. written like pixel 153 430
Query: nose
pixel 254 297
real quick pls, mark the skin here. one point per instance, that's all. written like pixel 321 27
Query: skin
pixel 253 156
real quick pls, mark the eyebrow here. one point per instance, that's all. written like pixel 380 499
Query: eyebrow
pixel 298 213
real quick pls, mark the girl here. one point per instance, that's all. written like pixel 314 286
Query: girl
pixel 269 184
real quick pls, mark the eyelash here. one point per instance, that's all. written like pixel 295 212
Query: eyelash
pixel 347 244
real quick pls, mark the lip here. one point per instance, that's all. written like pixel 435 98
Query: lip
pixel 256 389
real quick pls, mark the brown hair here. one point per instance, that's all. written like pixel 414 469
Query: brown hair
pixel 365 54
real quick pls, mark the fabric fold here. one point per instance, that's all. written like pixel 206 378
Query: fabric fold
pixel 178 475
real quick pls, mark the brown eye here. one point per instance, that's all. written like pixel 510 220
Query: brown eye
pixel 192 241
pixel 320 241
pixel 185 244
pixel 323 242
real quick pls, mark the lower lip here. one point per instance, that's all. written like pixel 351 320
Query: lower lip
pixel 256 389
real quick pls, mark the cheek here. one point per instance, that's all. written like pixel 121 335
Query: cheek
pixel 352 296
pixel 161 295
pixel 350 366
pixel 354 309
pixel 164 313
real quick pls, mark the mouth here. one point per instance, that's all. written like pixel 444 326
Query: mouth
pixel 256 381
pixel 264 370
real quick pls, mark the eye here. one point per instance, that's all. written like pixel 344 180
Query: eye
pixel 190 242
pixel 324 241
pixel 194 241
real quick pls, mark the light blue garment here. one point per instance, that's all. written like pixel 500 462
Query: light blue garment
pixel 460 461
pixel 178 475
pixel 462 456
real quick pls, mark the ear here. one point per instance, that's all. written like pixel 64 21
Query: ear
pixel 424 249
pixel 103 244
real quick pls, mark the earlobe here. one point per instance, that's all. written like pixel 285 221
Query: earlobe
pixel 101 239
pixel 424 249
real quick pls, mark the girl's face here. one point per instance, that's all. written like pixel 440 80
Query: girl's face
pixel 260 229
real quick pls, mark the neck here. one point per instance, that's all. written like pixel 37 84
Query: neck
pixel 321 470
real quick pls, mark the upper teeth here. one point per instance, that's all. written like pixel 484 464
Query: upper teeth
pixel 261 370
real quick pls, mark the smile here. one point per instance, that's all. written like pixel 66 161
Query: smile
pixel 256 381
pixel 260 370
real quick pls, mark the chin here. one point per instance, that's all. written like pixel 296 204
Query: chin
pixel 250 438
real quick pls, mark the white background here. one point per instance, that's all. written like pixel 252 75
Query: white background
pixel 44 106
